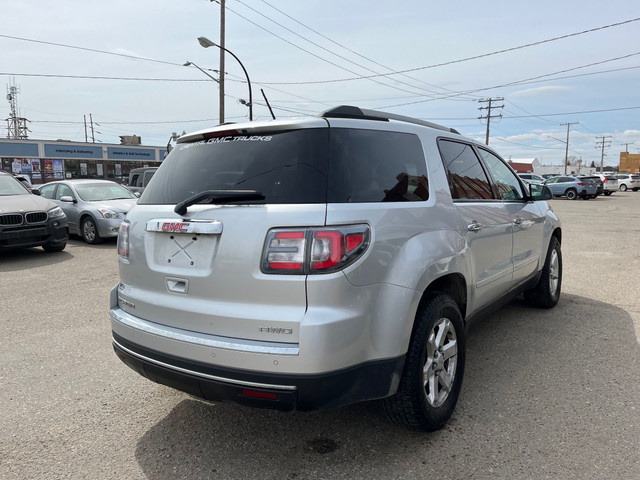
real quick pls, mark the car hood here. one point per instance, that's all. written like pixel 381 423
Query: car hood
pixel 24 203
pixel 122 205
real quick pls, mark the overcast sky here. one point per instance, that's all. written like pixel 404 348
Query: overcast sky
pixel 310 56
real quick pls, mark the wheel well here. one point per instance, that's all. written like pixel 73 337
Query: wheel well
pixel 453 285
pixel 558 234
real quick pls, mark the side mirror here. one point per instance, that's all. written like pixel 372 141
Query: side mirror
pixel 35 191
pixel 540 192
pixel 68 198
pixel 137 194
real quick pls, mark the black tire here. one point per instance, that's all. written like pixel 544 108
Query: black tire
pixel 89 231
pixel 437 347
pixel 623 188
pixel 571 194
pixel 608 193
pixel 586 197
pixel 546 293
pixel 54 247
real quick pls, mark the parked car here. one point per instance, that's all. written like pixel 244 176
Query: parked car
pixel 139 178
pixel 95 208
pixel 25 181
pixel 572 187
pixel 597 180
pixel 609 182
pixel 28 220
pixel 546 176
pixel 532 178
pixel 628 182
pixel 312 263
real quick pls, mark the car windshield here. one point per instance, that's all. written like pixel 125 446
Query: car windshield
pixel 98 192
pixel 11 186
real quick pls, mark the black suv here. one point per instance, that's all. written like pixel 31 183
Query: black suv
pixel 28 220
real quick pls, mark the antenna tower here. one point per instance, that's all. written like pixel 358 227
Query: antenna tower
pixel 16 125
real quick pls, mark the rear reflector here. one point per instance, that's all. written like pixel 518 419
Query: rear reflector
pixel 259 394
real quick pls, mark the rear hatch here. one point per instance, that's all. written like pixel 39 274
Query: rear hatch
pixel 200 269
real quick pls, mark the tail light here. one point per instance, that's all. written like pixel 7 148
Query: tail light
pixel 123 240
pixel 579 183
pixel 313 250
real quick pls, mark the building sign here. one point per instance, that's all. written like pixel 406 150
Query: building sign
pixel 10 149
pixel 120 153
pixel 71 151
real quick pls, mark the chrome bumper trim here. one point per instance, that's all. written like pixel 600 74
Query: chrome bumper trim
pixel 205 340
pixel 203 375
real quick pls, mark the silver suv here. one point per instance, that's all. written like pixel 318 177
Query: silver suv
pixel 308 264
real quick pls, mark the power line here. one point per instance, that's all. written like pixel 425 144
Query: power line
pixel 517 82
pixel 476 57
pixel 345 48
pixel 370 77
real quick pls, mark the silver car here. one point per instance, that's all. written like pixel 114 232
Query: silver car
pixel 572 187
pixel 94 208
pixel 312 263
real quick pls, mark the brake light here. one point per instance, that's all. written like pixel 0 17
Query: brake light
pixel 123 240
pixel 313 250
pixel 579 183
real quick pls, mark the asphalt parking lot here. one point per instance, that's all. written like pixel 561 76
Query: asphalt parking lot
pixel 547 393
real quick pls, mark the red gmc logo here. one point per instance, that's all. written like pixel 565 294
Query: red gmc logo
pixel 175 227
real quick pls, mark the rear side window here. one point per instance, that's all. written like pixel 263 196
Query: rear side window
pixel 467 178
pixel 286 167
pixel 376 166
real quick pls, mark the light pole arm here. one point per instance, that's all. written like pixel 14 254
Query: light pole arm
pixel 246 75
pixel 203 71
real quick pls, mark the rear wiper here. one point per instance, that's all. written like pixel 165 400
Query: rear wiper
pixel 218 196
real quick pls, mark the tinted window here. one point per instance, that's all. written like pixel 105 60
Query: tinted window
pixel 286 167
pixel 467 179
pixel 376 166
pixel 509 187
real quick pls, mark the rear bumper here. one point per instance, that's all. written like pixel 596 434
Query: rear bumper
pixel 366 381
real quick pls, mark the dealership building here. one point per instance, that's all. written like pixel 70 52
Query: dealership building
pixel 44 161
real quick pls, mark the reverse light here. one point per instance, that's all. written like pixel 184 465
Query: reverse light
pixel 313 250
pixel 123 240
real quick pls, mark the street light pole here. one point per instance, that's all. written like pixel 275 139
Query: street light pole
pixel 206 43
pixel 188 64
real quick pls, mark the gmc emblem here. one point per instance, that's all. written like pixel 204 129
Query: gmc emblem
pixel 175 227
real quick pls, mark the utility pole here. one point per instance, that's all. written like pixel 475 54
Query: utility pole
pixel 566 152
pixel 85 129
pixel 222 52
pixel 626 146
pixel 93 136
pixel 489 116
pixel 603 143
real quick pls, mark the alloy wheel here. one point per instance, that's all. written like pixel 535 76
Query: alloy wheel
pixel 439 370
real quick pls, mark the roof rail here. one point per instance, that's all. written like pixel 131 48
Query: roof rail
pixel 348 111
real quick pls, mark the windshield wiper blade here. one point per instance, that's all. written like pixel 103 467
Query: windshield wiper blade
pixel 218 196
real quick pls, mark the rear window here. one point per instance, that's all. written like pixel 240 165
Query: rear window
pixel 315 165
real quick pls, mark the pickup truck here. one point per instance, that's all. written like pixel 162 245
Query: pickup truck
pixel 139 178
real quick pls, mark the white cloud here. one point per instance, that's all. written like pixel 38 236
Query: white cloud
pixel 530 92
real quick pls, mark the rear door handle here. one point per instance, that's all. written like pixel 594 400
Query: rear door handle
pixel 517 221
pixel 474 227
